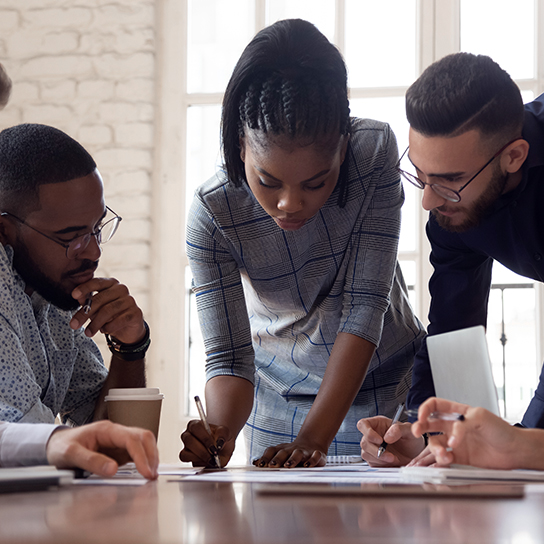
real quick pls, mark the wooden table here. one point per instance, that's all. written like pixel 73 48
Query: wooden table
pixel 174 512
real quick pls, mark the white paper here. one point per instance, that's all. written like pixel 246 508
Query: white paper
pixel 338 475
pixel 467 474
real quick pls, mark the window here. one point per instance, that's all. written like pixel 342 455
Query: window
pixel 376 91
pixel 386 46
pixel 513 306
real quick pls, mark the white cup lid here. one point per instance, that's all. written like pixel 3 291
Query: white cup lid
pixel 134 393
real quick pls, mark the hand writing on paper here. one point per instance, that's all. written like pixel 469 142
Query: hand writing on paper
pixel 199 448
pixel 402 445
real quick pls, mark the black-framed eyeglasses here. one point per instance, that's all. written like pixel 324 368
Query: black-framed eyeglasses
pixel 103 233
pixel 446 192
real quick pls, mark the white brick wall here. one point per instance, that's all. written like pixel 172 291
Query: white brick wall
pixel 87 67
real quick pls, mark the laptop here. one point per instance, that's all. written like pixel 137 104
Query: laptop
pixel 461 368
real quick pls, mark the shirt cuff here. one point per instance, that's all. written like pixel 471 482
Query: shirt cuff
pixel 23 444
pixel 534 416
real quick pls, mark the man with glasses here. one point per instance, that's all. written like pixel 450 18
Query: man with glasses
pixel 98 447
pixel 478 156
pixel 53 220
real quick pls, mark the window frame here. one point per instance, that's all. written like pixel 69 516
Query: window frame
pixel 438 34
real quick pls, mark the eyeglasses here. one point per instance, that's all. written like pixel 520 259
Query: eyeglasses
pixel 104 233
pixel 446 192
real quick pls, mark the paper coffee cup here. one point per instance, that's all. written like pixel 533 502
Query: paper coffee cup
pixel 135 407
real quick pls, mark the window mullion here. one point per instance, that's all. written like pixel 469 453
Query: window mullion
pixel 425 34
pixel 447 35
pixel 260 15
pixel 539 46
pixel 340 24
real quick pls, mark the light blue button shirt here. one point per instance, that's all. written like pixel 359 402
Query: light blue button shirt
pixel 46 368
pixel 24 443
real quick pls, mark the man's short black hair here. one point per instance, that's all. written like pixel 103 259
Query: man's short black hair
pixel 462 92
pixel 32 155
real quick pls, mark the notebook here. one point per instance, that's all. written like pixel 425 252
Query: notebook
pixel 461 368
pixel 465 474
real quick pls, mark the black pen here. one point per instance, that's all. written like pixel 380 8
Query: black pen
pixel 396 418
pixel 207 427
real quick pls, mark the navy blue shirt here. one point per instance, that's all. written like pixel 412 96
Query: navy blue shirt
pixel 513 234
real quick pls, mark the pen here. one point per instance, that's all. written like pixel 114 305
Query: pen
pixel 207 427
pixel 396 418
pixel 87 305
pixel 443 416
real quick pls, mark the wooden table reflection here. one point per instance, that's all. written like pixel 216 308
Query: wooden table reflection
pixel 174 512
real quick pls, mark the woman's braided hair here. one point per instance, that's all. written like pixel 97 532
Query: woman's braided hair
pixel 290 82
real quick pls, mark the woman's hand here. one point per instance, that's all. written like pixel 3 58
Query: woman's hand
pixel 200 448
pixel 293 454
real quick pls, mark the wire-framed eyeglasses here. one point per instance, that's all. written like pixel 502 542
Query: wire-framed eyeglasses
pixel 446 192
pixel 103 233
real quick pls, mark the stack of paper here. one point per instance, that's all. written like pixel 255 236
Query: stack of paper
pixel 462 474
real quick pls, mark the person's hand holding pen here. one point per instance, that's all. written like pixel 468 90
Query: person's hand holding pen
pixel 472 436
pixel 206 445
pixel 395 420
pixel 108 307
pixel 204 420
pixel 401 445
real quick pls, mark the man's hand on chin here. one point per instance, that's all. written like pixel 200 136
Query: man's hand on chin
pixel 111 310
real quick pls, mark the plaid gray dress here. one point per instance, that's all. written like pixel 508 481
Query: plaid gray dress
pixel 271 302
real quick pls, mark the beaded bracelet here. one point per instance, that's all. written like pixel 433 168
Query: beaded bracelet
pixel 130 352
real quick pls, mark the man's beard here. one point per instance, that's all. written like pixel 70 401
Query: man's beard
pixel 33 277
pixel 480 208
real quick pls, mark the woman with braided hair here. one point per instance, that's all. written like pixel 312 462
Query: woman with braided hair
pixel 293 249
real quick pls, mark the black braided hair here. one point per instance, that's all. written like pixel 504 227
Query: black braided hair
pixel 289 82
pixel 32 155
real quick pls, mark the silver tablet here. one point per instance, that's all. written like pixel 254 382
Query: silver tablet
pixel 461 368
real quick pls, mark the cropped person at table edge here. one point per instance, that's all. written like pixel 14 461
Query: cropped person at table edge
pixel 53 220
pixel 478 155
pixel 479 438
pixel 98 447
pixel 293 247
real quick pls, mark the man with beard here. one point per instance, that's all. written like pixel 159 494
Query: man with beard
pixel 478 156
pixel 53 220
pixel 97 447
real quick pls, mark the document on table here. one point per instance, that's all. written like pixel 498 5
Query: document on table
pixel 129 475
pixel 344 474
pixel 466 474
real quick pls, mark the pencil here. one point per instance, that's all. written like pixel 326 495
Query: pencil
pixel 207 427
